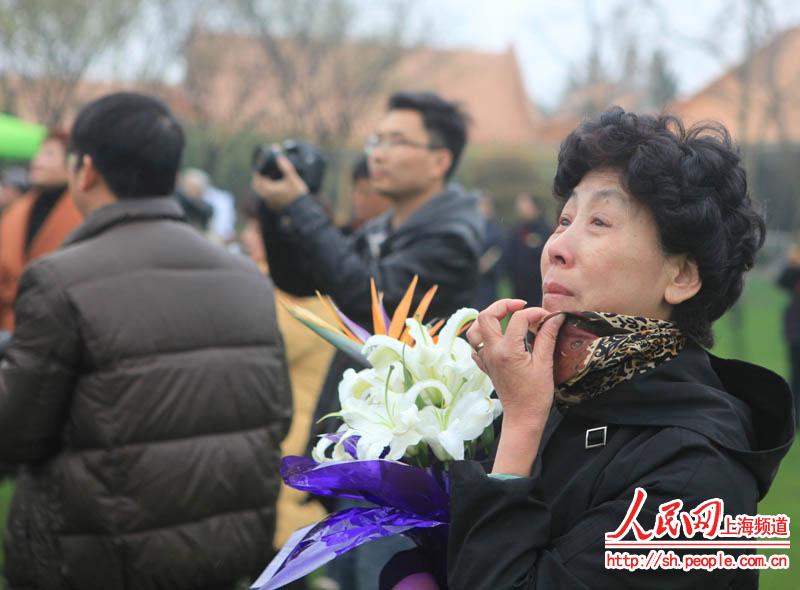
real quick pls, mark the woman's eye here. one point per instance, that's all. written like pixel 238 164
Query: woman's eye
pixel 599 222
pixel 563 221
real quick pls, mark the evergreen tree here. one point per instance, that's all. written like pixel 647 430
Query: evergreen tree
pixel 662 85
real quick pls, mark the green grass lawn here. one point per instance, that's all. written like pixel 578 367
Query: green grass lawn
pixel 754 334
pixel 6 489
pixel 783 498
pixel 758 317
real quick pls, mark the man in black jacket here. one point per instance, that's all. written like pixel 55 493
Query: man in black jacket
pixel 145 391
pixel 434 230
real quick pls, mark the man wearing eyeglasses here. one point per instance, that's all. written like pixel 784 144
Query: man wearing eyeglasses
pixel 434 230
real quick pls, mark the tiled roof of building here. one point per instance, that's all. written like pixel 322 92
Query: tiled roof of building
pixel 487 84
pixel 765 110
pixel 581 103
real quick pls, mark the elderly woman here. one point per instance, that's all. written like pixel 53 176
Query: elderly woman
pixel 655 234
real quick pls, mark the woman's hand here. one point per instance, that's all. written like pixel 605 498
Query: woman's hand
pixel 523 380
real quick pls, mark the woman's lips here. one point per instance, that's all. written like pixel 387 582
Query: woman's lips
pixel 550 288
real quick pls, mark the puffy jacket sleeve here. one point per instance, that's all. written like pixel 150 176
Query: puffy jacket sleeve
pixel 323 258
pixel 500 534
pixel 38 371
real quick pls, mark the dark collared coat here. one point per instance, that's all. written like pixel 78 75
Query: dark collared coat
pixel 694 428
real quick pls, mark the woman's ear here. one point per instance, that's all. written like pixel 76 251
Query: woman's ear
pixel 685 280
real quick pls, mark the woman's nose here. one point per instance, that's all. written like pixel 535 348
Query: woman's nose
pixel 560 248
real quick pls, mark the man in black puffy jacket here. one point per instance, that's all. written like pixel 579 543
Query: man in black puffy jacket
pixel 145 391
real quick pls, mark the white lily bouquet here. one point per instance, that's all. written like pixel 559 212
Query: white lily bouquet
pixel 420 403
pixel 430 396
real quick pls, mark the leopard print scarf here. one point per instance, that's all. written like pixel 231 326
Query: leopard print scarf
pixel 596 351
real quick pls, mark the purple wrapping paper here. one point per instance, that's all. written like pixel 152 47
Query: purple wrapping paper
pixel 385 483
pixel 406 497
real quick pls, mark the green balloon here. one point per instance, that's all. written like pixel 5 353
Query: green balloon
pixel 19 140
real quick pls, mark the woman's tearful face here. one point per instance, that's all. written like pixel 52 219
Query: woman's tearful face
pixel 605 254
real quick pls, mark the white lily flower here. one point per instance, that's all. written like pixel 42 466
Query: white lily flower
pixel 458 320
pixel 355 384
pixel 446 429
pixel 380 422
pixel 382 351
pixel 319 452
pixel 419 333
pixel 431 392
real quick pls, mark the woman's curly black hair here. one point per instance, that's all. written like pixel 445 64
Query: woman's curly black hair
pixel 693 183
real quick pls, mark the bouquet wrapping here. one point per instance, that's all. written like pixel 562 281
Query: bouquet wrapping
pixel 419 403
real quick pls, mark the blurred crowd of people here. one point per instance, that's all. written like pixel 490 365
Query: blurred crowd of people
pixel 512 256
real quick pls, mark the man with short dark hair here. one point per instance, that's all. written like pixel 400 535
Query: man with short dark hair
pixel 434 231
pixel 145 391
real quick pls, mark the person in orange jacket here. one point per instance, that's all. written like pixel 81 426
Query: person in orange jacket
pixel 36 223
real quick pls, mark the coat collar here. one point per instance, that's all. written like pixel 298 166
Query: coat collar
pixel 738 405
pixel 451 208
pixel 63 219
pixel 743 408
pixel 439 208
pixel 126 211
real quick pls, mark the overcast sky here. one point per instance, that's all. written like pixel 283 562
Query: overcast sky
pixel 551 35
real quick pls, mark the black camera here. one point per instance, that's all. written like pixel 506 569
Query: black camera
pixel 306 159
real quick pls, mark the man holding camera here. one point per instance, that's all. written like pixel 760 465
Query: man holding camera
pixel 434 230
pixel 145 391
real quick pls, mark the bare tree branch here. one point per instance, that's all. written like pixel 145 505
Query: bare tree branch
pixel 321 71
pixel 49 45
